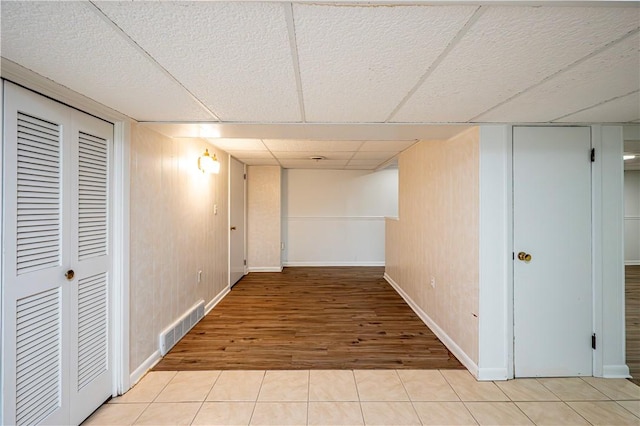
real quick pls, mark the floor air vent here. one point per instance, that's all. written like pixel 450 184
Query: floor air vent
pixel 176 331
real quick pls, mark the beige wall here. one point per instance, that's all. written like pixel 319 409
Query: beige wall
pixel 437 234
pixel 263 217
pixel 174 234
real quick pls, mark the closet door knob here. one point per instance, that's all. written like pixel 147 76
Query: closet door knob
pixel 69 274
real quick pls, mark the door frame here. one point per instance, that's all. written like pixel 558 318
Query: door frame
pixel 119 305
pixel 495 336
pixel 244 218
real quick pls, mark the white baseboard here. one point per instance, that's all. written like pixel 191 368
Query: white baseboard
pixel 448 342
pixel 265 269
pixel 492 374
pixel 142 369
pixel 331 263
pixel 213 302
pixel 615 372
pixel 632 262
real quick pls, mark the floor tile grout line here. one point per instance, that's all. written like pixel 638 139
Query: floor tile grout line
pixel 355 381
pixel 255 403
pixel 575 411
pixel 408 396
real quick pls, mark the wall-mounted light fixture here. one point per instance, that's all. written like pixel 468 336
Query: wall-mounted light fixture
pixel 208 164
pixel 628 157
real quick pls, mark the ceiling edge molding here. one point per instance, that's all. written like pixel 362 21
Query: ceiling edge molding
pixel 31 80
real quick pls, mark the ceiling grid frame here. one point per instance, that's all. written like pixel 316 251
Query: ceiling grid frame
pixel 150 58
pixel 560 72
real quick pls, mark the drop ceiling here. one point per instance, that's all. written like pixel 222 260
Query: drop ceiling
pixel 355 82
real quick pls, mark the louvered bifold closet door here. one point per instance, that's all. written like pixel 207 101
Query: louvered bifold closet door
pixel 91 366
pixel 35 219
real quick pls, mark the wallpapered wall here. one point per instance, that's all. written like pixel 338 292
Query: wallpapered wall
pixel 174 234
pixel 436 235
pixel 263 218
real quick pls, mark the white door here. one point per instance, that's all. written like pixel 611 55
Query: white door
pixel 552 225
pixel 237 258
pixel 55 278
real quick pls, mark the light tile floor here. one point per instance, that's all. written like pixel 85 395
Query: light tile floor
pixel 371 397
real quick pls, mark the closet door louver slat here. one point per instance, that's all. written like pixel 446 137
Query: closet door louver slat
pixel 38 195
pixel 92 328
pixel 92 196
pixel 38 395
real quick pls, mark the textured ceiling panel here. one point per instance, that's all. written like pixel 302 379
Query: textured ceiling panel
pixel 234 56
pixel 612 73
pixel 368 163
pixel 307 145
pixel 69 42
pixel 252 154
pixel 238 144
pixel 386 145
pixel 258 161
pixel 508 50
pixel 303 155
pixel 357 63
pixel 374 155
pixel 623 110
pixel 312 164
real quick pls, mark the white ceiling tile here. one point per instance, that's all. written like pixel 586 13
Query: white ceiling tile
pixel 304 155
pixel 386 145
pixel 621 110
pixel 238 144
pixel 280 145
pixel 374 155
pixel 614 72
pixel 312 164
pixel 366 163
pixel 251 154
pixel 357 63
pixel 234 56
pixel 508 50
pixel 259 161
pixel 69 43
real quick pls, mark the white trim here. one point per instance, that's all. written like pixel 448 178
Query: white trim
pixel 493 374
pixel 495 302
pixel 335 263
pixel 448 342
pixel 265 269
pixel 142 369
pixel 213 302
pixel 632 262
pixel 596 247
pixel 615 372
pixel 121 256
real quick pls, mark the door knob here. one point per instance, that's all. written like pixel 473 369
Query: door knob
pixel 233 228
pixel 526 257
pixel 69 274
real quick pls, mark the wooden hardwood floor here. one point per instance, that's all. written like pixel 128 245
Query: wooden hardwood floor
pixel 632 313
pixel 310 318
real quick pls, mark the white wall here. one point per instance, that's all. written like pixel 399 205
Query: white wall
pixel 632 217
pixel 336 217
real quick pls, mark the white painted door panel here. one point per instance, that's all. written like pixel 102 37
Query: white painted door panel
pixel 55 330
pixel 552 223
pixel 236 220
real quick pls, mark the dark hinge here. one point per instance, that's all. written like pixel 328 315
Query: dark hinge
pixel 593 341
pixel 245 262
pixel 245 176
pixel 593 155
pixel 513 255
